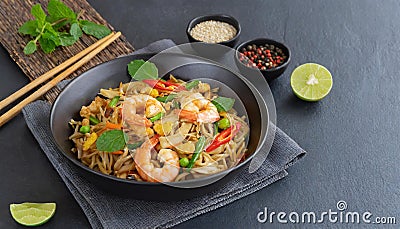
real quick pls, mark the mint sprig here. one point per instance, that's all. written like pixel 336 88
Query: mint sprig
pixel 61 27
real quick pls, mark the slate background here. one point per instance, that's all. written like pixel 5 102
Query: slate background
pixel 352 136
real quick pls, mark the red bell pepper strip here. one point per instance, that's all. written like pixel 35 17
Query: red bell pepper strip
pixel 164 86
pixel 224 137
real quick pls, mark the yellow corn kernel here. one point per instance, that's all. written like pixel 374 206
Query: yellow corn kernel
pixel 154 93
pixel 149 132
pixel 158 128
pixel 222 113
pixel 163 128
pixel 89 141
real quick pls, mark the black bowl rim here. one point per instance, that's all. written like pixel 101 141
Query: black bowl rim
pixel 266 40
pixel 216 16
pixel 82 166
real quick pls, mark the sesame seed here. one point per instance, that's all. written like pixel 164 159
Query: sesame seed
pixel 213 31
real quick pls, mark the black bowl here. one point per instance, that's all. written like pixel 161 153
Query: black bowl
pixel 269 74
pixel 216 17
pixel 83 89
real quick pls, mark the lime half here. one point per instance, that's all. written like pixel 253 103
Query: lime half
pixel 32 214
pixel 311 82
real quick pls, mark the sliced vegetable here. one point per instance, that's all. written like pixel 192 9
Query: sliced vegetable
pixel 141 70
pixel 224 123
pixel 84 129
pixel 156 117
pixel 111 141
pixel 192 84
pixel 183 162
pixel 197 150
pixel 94 120
pixel 89 141
pixel 119 152
pixel 114 101
pixel 223 103
pixel 215 128
pixel 154 93
pixel 134 145
pixel 110 125
pixel 164 86
pixel 223 137
pixel 167 98
pixel 176 105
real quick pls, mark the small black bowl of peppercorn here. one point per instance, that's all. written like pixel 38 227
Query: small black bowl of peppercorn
pixel 270 57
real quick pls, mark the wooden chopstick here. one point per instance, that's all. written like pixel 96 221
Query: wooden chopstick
pixel 46 76
pixel 15 110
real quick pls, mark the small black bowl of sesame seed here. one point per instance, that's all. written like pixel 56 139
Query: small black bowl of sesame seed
pixel 269 57
pixel 214 29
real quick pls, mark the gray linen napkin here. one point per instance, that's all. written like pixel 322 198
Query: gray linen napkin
pixel 105 210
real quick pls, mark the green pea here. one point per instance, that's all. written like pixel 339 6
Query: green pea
pixel 224 123
pixel 184 162
pixel 84 129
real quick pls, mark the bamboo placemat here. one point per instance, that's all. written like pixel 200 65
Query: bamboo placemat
pixel 13 13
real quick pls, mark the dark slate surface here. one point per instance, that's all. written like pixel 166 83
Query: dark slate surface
pixel 352 136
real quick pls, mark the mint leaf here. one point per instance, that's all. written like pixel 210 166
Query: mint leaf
pixel 93 29
pixel 30 47
pixel 38 13
pixel 47 45
pixel 52 37
pixel 141 70
pixel 75 31
pixel 50 34
pixel 192 84
pixel 66 39
pixel 29 28
pixel 111 141
pixel 223 103
pixel 58 10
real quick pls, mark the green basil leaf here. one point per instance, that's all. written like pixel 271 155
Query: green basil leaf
pixel 30 48
pixel 223 103
pixel 75 31
pixel 29 28
pixel 93 29
pixel 141 70
pixel 39 14
pixel 111 141
pixel 47 45
pixel 58 10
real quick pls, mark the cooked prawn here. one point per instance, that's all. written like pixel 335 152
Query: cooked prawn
pixel 196 108
pixel 147 170
pixel 144 104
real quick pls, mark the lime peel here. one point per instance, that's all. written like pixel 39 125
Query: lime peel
pixel 32 214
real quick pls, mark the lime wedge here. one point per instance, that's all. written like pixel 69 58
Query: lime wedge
pixel 32 214
pixel 311 82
